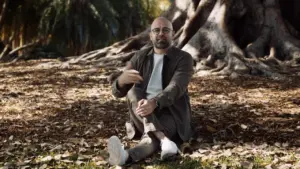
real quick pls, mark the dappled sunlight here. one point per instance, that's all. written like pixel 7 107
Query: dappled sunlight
pixel 181 5
pixel 246 109
pixel 74 93
pixel 53 114
pixel 55 109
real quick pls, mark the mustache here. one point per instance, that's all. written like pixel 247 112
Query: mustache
pixel 161 39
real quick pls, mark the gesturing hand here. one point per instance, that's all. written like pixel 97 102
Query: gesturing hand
pixel 145 107
pixel 128 77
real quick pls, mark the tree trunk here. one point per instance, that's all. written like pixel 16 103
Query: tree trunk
pixel 4 54
pixel 224 36
pixel 3 12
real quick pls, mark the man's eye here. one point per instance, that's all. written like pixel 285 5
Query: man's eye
pixel 155 30
pixel 166 30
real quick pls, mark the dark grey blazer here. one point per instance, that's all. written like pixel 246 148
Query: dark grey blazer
pixel 176 75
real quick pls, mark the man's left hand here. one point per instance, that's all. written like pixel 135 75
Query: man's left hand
pixel 145 107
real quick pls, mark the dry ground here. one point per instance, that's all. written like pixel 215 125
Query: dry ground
pixel 61 118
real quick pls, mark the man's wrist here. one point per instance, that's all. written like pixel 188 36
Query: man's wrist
pixel 120 85
pixel 155 102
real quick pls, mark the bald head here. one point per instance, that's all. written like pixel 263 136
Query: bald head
pixel 161 34
pixel 161 22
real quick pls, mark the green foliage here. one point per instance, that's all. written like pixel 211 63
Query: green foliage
pixel 155 7
pixel 79 25
pixel 184 164
pixel 73 27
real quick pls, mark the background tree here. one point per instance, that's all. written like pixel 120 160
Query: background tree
pixel 69 27
pixel 225 36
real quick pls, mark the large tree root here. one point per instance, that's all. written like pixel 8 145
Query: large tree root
pixel 284 49
pixel 224 37
pixel 4 54
pixel 197 19
pixel 213 40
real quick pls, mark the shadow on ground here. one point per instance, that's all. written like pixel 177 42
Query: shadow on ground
pixel 248 109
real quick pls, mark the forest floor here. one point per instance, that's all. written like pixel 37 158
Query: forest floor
pixel 53 117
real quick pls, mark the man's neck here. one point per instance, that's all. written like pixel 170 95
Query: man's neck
pixel 161 51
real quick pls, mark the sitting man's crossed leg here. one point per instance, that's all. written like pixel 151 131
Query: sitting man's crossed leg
pixel 155 82
pixel 157 128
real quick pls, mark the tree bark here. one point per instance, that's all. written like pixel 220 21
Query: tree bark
pixel 224 36
pixel 26 46
pixel 3 12
pixel 5 51
pixel 196 21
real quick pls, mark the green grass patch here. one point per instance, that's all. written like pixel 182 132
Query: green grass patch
pixel 182 164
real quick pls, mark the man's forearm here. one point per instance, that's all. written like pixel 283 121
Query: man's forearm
pixel 167 97
pixel 118 90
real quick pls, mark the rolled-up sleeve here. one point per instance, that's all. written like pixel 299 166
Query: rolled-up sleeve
pixel 118 91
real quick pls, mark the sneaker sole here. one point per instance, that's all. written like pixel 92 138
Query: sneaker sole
pixel 114 150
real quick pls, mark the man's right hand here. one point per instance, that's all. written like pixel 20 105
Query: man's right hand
pixel 128 77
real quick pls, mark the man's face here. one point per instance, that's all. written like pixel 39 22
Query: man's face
pixel 161 34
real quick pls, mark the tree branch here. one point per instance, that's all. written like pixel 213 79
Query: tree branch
pixel 199 19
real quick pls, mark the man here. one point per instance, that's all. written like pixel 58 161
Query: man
pixel 155 83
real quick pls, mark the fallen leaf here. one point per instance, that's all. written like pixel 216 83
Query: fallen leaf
pixel 98 163
pixel 100 126
pixel 46 159
pixel 285 166
pixel 16 143
pixel 216 147
pixel 82 150
pixel 213 120
pixel 247 164
pixel 227 153
pixel 98 158
pixel 67 161
pixel 43 166
pixel 229 145
pixel 66 154
pixel 223 166
pixel 11 137
pixel 58 147
pixel 196 155
pixel 79 162
pixel 268 166
pixel 83 143
pixel 57 157
pixel 202 151
pixel 243 126
pixel 277 144
pixel 285 144
pixel 211 129
pixel 67 130
pixel 199 139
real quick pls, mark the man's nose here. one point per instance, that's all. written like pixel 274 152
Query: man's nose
pixel 160 32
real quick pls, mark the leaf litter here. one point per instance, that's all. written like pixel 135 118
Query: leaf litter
pixel 62 117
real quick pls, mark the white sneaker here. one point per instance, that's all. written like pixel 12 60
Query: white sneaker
pixel 117 154
pixel 168 148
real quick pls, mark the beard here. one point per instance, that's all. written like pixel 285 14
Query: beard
pixel 161 44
